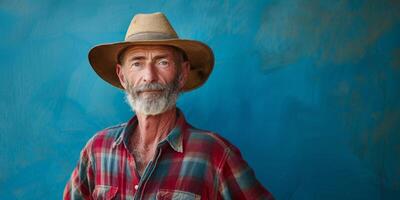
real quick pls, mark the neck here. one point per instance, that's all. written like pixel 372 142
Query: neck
pixel 152 129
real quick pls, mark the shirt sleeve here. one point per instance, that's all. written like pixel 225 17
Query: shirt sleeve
pixel 237 180
pixel 81 182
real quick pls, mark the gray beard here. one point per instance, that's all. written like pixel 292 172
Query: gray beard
pixel 152 104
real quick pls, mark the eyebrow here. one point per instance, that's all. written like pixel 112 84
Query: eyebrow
pixel 144 58
pixel 137 58
pixel 160 56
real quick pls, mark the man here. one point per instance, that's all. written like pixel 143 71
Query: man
pixel 157 154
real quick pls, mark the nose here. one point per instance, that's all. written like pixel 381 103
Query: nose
pixel 149 73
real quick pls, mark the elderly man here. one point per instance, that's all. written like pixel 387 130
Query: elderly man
pixel 157 154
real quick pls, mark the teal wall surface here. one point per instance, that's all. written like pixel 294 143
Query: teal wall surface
pixel 308 90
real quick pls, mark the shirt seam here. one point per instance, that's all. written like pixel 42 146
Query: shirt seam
pixel 219 170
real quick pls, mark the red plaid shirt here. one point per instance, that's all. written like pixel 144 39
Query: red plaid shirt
pixel 189 164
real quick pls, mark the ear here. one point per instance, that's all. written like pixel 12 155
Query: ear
pixel 119 71
pixel 185 69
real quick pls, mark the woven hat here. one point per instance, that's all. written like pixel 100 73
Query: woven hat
pixel 153 29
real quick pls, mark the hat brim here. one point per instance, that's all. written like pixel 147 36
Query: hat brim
pixel 104 58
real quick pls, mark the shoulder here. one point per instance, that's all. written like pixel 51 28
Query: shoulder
pixel 209 144
pixel 105 138
pixel 208 137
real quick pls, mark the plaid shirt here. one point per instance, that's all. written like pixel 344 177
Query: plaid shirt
pixel 188 164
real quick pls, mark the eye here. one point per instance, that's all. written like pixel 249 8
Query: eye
pixel 163 63
pixel 136 64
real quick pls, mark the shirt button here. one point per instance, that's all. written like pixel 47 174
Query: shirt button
pixel 136 187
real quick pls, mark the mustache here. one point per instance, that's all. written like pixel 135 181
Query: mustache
pixel 148 86
pixel 166 89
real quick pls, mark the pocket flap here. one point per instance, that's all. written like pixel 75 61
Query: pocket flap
pixel 104 192
pixel 176 195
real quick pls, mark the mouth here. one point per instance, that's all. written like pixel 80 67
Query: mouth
pixel 149 91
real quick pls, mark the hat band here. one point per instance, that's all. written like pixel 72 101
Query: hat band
pixel 150 36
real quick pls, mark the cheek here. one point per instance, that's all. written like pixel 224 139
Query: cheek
pixel 170 74
pixel 131 78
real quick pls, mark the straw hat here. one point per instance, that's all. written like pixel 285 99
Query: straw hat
pixel 153 29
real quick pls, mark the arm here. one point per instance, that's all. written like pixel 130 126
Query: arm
pixel 80 185
pixel 237 180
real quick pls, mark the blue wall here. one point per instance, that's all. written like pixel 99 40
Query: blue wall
pixel 308 90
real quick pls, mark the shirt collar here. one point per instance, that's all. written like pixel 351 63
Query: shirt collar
pixel 174 137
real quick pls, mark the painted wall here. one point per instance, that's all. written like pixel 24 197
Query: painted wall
pixel 308 90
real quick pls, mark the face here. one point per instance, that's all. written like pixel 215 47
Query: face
pixel 152 77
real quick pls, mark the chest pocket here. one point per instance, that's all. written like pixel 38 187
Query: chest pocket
pixel 176 195
pixel 104 192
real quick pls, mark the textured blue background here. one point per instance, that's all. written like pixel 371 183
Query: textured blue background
pixel 308 90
